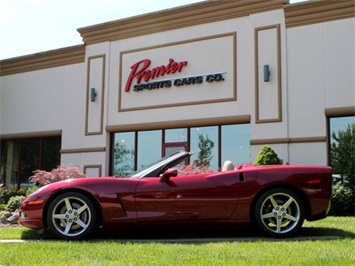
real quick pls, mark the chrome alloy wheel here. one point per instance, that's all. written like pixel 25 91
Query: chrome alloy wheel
pixel 71 216
pixel 279 212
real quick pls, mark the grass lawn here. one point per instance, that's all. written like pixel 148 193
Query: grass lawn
pixel 327 242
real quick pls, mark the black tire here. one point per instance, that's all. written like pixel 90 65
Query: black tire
pixel 71 216
pixel 279 213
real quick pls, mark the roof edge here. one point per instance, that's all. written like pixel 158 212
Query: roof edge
pixel 318 11
pixel 53 58
pixel 175 18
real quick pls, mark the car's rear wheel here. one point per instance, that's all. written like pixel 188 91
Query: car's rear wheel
pixel 71 216
pixel 279 213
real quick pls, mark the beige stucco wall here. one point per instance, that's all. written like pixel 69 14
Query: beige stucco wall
pixel 312 70
pixel 320 69
pixel 42 100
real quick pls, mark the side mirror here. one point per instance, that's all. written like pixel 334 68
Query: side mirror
pixel 165 177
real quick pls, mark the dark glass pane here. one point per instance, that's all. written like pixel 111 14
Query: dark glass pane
pixel 123 153
pixel 204 144
pixel 3 160
pixel 10 162
pixel 236 143
pixel 149 147
pixel 50 153
pixel 30 150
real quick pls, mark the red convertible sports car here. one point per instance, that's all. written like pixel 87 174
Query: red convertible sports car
pixel 275 199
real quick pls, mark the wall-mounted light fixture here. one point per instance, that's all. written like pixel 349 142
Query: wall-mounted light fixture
pixel 93 95
pixel 266 73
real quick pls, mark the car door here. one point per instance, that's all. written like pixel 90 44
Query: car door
pixel 187 198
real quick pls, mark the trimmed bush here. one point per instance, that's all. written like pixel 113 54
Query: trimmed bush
pixel 267 156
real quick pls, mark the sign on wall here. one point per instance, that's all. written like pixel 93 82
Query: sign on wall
pixel 185 73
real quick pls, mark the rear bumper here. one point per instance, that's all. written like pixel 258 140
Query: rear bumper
pixel 320 215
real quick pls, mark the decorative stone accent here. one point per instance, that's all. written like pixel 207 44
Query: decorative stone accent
pixel 10 218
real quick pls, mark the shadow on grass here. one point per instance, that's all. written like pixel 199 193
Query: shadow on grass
pixel 198 235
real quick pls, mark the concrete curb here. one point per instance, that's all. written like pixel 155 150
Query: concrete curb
pixel 9 241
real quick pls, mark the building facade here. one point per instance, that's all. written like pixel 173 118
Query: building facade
pixel 231 75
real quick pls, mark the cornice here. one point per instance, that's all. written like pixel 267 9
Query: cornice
pixel 53 58
pixel 288 140
pixel 318 11
pixel 176 18
pixel 38 134
pixel 227 120
pixel 340 111
pixel 83 150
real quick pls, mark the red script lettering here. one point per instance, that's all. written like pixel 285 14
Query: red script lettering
pixel 140 71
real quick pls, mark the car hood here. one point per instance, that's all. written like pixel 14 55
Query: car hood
pixel 94 185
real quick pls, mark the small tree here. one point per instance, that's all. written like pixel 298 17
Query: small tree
pixel 267 156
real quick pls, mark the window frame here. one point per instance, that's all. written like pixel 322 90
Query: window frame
pixel 165 144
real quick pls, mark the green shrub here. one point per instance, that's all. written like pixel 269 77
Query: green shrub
pixel 6 194
pixel 14 203
pixel 2 191
pixel 30 190
pixel 267 156
pixel 341 200
pixel 2 208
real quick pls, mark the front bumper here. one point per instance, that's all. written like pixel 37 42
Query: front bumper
pixel 31 213
pixel 32 223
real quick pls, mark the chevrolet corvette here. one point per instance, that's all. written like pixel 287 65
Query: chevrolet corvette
pixel 274 199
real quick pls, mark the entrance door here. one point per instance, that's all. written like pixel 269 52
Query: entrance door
pixel 172 147
pixel 175 140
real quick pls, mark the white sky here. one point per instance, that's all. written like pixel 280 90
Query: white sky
pixel 32 26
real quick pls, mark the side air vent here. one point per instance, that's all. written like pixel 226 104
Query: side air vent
pixel 241 177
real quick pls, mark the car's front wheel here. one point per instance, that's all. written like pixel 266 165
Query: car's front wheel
pixel 71 216
pixel 279 212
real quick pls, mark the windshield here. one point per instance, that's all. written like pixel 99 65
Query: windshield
pixel 146 170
